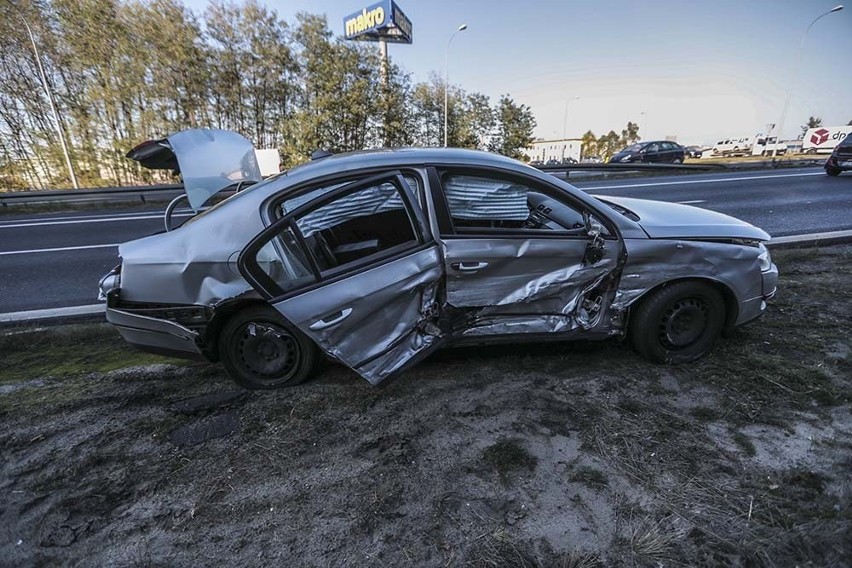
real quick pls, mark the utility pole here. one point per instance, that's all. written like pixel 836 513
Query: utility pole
pixel 46 85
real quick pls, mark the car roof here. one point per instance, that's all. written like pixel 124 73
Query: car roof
pixel 392 157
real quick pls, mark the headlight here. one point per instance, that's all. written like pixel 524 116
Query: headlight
pixel 764 259
pixel 625 157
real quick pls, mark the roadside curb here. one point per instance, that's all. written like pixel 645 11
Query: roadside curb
pixel 92 312
pixel 811 240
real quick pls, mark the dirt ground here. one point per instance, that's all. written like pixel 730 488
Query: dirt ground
pixel 565 455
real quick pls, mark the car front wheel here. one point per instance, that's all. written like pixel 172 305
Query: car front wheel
pixel 677 323
pixel 832 171
pixel 261 351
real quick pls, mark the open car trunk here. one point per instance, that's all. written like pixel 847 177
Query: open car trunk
pixel 208 160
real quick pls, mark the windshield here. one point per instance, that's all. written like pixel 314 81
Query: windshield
pixel 633 148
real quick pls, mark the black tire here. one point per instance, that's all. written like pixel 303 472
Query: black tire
pixel 678 160
pixel 677 323
pixel 832 171
pixel 261 351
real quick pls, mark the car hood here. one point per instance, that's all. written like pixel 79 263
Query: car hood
pixel 209 160
pixel 663 220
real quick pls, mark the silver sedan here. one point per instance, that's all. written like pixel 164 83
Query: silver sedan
pixel 376 259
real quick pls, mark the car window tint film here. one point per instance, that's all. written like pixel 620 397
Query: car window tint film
pixel 356 226
pixel 479 202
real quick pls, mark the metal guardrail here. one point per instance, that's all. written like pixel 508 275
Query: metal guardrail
pixel 166 192
pixel 140 193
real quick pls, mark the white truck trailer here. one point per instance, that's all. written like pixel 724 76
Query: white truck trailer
pixel 823 139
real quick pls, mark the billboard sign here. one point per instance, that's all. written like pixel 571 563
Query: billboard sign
pixel 382 21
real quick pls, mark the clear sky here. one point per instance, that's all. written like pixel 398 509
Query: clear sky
pixel 698 70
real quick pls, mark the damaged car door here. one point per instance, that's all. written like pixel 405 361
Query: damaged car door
pixel 356 270
pixel 523 257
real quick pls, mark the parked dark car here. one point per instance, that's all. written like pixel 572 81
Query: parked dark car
pixel 660 151
pixel 376 259
pixel 841 158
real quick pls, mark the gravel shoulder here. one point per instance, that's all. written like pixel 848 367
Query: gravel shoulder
pixel 570 455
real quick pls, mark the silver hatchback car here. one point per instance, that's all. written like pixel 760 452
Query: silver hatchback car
pixel 376 259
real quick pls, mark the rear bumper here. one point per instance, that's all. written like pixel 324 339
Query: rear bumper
pixel 155 335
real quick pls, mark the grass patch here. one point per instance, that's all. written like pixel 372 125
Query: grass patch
pixel 705 413
pixel 745 444
pixel 64 351
pixel 590 477
pixel 507 456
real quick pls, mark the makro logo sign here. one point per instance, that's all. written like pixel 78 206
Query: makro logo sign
pixel 819 137
pixel 369 18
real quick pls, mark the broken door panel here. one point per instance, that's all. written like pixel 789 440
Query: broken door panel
pixel 529 285
pixel 375 321
pixel 368 276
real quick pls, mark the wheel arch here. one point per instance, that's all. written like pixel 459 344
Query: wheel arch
pixel 728 296
pixel 221 314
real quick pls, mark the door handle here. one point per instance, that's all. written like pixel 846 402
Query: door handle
pixel 469 266
pixel 331 320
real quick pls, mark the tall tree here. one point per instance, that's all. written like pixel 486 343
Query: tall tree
pixel 253 83
pixel 630 134
pixel 590 144
pixel 515 125
pixel 813 122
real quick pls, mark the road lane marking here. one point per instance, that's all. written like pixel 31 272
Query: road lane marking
pixel 53 313
pixel 692 201
pixel 177 213
pixel 59 249
pixel 80 221
pixel 688 182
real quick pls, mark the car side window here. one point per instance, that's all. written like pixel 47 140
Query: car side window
pixel 491 203
pixel 366 223
pixel 284 261
pixel 652 148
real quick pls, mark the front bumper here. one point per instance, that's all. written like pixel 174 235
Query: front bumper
pixel 753 308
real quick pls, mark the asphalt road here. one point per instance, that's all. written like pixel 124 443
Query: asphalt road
pixel 55 260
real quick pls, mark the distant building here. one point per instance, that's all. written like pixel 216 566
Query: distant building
pixel 561 150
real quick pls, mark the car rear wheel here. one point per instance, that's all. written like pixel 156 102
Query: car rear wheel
pixel 677 323
pixel 832 171
pixel 261 351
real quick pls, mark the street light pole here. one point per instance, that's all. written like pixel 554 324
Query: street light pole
pixel 462 28
pixel 565 121
pixel 795 77
pixel 47 90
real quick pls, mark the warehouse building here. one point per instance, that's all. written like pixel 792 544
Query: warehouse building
pixel 559 151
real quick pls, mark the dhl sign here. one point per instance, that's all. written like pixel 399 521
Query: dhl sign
pixel 380 21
